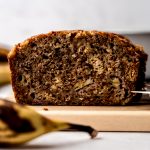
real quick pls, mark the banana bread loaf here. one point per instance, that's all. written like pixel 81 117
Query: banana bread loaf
pixel 77 68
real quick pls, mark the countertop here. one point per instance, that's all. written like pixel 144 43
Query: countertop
pixel 81 141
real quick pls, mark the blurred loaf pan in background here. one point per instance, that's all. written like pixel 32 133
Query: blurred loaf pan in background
pixel 143 39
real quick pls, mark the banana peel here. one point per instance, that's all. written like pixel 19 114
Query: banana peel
pixel 4 73
pixel 20 124
pixel 4 68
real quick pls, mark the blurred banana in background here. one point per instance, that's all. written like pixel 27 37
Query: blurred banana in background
pixel 20 124
pixel 4 68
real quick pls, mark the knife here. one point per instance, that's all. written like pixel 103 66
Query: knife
pixel 146 90
pixel 141 92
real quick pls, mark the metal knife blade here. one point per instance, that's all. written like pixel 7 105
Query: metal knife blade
pixel 146 90
pixel 141 92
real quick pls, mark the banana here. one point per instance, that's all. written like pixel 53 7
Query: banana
pixel 4 73
pixel 4 68
pixel 20 124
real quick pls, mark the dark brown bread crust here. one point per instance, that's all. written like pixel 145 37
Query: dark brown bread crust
pixel 77 68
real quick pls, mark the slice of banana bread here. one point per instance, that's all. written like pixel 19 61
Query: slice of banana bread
pixel 77 68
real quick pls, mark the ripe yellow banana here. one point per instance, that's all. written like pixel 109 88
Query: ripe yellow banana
pixel 20 124
pixel 4 73
pixel 4 68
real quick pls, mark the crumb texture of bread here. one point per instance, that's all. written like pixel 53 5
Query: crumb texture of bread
pixel 77 68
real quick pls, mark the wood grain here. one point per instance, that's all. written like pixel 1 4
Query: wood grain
pixel 135 117
pixel 103 118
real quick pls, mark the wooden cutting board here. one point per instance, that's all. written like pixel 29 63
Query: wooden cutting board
pixel 104 118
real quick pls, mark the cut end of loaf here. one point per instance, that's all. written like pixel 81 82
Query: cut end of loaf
pixel 77 68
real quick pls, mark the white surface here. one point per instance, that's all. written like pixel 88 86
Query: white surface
pixel 20 19
pixel 6 91
pixel 81 141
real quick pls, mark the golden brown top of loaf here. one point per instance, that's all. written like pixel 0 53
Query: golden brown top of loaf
pixel 78 34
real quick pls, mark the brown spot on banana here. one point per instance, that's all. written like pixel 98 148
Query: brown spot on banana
pixel 20 124
pixel 10 116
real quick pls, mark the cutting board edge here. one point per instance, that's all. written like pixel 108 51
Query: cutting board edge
pixel 107 122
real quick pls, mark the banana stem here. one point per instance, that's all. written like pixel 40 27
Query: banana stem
pixel 76 127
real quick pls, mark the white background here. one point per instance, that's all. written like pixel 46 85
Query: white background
pixel 20 19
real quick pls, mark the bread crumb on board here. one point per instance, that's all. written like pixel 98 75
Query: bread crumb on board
pixel 45 108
